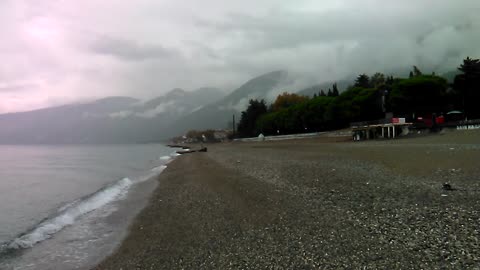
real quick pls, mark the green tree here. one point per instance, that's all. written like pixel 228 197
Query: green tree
pixel 362 81
pixel 467 86
pixel 420 94
pixel 246 126
pixel 268 123
pixel 286 100
pixel 305 116
pixel 322 93
pixel 378 80
pixel 355 104
pixel 314 114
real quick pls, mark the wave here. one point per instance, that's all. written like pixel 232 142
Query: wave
pixel 159 169
pixel 68 214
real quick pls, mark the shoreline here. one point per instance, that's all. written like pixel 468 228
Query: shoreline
pixel 170 208
pixel 93 237
pixel 79 232
pixel 312 204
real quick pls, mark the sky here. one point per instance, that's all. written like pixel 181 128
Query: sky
pixel 55 52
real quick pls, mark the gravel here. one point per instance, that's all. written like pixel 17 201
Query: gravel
pixel 311 205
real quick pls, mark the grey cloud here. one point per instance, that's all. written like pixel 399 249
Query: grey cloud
pixel 290 30
pixel 130 50
pixel 153 46
pixel 342 42
pixel 17 88
pixel 159 109
pixel 121 114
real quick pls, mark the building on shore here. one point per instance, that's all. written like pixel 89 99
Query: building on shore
pixel 380 129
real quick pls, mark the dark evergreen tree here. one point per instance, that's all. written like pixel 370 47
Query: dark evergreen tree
pixel 416 71
pixel 246 126
pixel 389 82
pixel 362 81
pixel 335 92
pixel 467 87
pixel 329 93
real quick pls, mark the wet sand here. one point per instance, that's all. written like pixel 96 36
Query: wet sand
pixel 314 204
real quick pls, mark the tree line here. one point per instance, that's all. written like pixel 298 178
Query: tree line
pixel 367 99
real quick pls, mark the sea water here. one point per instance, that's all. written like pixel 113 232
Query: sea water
pixel 67 207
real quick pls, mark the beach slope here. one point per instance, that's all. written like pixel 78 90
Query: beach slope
pixel 307 204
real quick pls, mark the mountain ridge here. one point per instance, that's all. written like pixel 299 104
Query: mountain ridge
pixel 218 115
pixel 120 119
pixel 115 119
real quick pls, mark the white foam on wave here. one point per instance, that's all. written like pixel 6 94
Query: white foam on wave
pixel 69 213
pixel 159 169
pixel 68 216
pixel 167 159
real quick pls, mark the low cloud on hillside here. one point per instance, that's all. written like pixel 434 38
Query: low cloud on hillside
pixel 55 52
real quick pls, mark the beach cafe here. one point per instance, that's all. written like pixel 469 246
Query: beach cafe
pixel 385 128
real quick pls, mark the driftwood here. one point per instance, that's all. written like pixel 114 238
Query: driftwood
pixel 204 149
pixel 186 152
pixel 178 146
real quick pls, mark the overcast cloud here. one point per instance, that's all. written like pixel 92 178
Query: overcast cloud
pixel 58 51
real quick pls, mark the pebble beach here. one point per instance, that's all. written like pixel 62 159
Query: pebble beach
pixel 314 203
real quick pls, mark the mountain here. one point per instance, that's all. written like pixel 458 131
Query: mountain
pixel 108 120
pixel 258 87
pixel 128 120
pixel 218 115
pixel 173 104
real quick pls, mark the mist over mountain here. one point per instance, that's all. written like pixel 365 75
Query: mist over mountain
pixel 108 120
pixel 219 115
pixel 172 105
pixel 129 120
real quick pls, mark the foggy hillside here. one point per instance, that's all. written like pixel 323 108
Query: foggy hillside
pixel 218 115
pixel 108 120
pixel 128 120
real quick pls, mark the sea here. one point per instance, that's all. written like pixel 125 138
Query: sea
pixel 70 206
